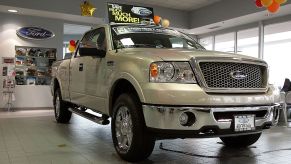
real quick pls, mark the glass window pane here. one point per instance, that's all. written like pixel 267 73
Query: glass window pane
pixel 277 48
pixel 248 42
pixel 207 43
pixel 225 42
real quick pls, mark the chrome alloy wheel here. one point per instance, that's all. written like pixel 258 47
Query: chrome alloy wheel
pixel 123 128
pixel 58 106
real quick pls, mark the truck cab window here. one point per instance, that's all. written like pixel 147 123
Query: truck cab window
pixel 94 39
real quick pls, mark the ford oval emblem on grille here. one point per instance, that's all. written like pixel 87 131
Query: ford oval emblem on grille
pixel 238 75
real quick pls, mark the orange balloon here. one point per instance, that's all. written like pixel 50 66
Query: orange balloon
pixel 267 3
pixel 157 19
pixel 280 1
pixel 72 48
pixel 274 7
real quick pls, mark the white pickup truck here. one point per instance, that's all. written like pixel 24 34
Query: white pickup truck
pixel 157 83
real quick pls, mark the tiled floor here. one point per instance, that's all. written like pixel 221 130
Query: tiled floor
pixel 34 137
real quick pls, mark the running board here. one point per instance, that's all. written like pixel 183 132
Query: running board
pixel 96 119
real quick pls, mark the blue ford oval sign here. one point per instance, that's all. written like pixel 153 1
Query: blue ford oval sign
pixel 37 33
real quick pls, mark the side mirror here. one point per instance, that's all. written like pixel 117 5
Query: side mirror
pixel 85 51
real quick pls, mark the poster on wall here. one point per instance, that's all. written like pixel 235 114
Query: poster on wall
pixel 10 70
pixel 7 60
pixel 4 71
pixel 121 13
pixel 33 65
pixel 8 83
pixel 8 66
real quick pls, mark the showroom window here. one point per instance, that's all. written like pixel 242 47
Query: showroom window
pixel 225 42
pixel 277 51
pixel 248 42
pixel 207 43
pixel 65 49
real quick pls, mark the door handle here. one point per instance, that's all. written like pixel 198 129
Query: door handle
pixel 81 66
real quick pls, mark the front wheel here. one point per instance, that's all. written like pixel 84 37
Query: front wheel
pixel 241 141
pixel 130 138
pixel 62 114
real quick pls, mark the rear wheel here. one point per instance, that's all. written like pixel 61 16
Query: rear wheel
pixel 62 114
pixel 241 141
pixel 130 138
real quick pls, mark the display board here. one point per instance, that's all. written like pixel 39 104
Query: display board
pixel 121 13
pixel 8 72
pixel 33 65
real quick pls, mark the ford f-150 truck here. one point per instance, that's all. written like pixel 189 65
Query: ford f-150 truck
pixel 158 83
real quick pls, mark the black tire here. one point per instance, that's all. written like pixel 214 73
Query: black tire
pixel 241 141
pixel 142 142
pixel 62 114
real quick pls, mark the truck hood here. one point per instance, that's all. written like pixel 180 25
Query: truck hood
pixel 182 54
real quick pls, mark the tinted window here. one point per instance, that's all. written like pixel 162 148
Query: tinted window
pixel 95 38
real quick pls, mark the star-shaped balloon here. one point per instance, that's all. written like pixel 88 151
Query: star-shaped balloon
pixel 87 9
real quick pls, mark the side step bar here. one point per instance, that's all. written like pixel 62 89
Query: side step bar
pixel 96 119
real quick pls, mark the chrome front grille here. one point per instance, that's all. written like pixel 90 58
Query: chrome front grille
pixel 233 75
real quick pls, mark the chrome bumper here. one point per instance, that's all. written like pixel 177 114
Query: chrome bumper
pixel 167 118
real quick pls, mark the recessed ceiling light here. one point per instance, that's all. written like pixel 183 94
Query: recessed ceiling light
pixel 12 11
pixel 214 27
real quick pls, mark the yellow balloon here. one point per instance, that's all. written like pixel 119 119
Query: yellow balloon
pixel 87 9
pixel 72 48
pixel 267 3
pixel 165 23
pixel 280 1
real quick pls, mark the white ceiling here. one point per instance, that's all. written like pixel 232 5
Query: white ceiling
pixel 250 18
pixel 187 5
pixel 73 29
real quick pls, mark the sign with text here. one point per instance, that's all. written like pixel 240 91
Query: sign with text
pixel 7 60
pixel 121 13
pixel 36 33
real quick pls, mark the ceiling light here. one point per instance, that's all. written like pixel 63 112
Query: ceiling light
pixel 12 11
pixel 214 27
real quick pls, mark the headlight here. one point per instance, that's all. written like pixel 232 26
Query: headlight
pixel 171 72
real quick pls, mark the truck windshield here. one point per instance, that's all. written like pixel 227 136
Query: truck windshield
pixel 151 37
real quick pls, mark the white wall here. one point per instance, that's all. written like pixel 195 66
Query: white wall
pixel 28 96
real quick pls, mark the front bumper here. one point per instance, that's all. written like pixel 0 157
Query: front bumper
pixel 210 121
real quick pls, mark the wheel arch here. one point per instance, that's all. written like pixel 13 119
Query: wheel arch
pixel 56 84
pixel 123 85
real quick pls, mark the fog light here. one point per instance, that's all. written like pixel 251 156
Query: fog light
pixel 183 118
pixel 187 119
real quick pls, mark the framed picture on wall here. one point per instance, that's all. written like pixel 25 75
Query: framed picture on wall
pixel 7 60
pixel 33 65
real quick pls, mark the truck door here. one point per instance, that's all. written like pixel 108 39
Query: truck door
pixel 86 70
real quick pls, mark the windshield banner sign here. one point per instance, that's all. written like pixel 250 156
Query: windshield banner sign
pixel 120 30
pixel 36 33
pixel 121 13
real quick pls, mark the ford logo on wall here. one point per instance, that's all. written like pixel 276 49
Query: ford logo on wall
pixel 36 33
pixel 238 75
pixel 141 11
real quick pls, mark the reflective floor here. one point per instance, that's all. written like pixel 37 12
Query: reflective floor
pixel 34 137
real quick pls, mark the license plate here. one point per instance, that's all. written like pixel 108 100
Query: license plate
pixel 244 123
